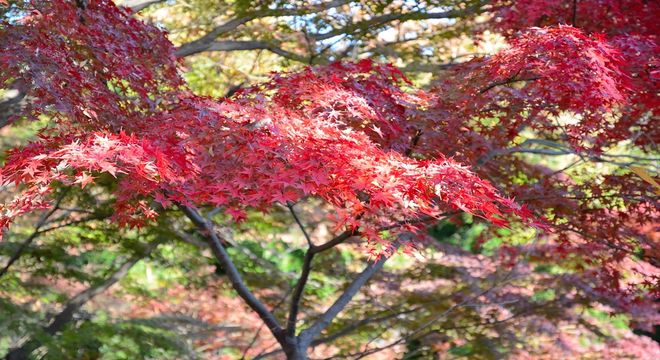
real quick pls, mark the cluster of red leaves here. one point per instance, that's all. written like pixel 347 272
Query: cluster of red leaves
pixel 548 72
pixel 627 31
pixel 98 66
pixel 331 132
pixel 383 158
pixel 606 16
pixel 609 243
pixel 604 72
pixel 564 66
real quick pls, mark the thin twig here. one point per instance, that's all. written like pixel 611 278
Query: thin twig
pixel 294 308
pixel 256 334
pixel 37 231
pixel 300 225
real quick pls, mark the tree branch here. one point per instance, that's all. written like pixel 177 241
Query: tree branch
pixel 511 80
pixel 256 335
pixel 294 308
pixel 232 273
pixel 309 334
pixel 298 292
pixel 400 16
pixel 335 241
pixel 300 225
pixel 420 329
pixel 356 325
pixel 203 43
pixel 138 5
pixel 195 47
pixel 208 43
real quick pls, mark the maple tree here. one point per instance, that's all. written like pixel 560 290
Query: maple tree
pixel 383 159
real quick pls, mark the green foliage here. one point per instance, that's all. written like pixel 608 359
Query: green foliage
pixel 544 295
pixel 462 233
pixel 123 340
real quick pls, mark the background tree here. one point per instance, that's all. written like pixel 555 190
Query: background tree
pixel 317 159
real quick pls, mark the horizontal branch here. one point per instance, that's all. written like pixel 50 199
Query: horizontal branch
pixel 358 324
pixel 397 16
pixel 335 241
pixel 557 149
pixel 512 80
pixel 138 5
pixel 235 45
pixel 208 41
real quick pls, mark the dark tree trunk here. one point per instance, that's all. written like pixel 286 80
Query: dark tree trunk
pixel 294 349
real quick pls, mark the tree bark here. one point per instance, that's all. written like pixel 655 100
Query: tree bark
pixel 294 346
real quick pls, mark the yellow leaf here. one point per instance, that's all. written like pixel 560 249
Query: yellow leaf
pixel 641 172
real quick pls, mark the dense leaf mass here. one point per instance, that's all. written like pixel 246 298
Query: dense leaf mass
pixel 101 66
pixel 605 16
pixel 336 132
pixel 615 51
pixel 384 157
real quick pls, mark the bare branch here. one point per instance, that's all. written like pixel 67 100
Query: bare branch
pixel 356 325
pixel 208 42
pixel 400 16
pixel 574 14
pixel 336 241
pixel 420 329
pixel 232 273
pixel 308 335
pixel 256 335
pixel 232 45
pixel 300 225
pixel 227 242
pixel 302 281
pixel 204 42
pixel 298 292
pixel 557 149
pixel 511 80
pixel 138 5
